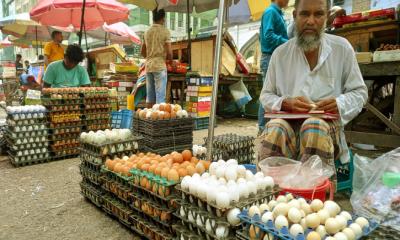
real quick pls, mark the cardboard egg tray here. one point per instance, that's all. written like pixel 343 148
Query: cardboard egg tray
pixel 91 175
pixel 26 116
pixel 63 136
pixel 213 210
pixel 117 209
pixel 27 134
pixel 92 193
pixel 132 143
pixel 28 160
pixel 73 116
pixel 168 150
pixel 75 129
pixel 23 129
pixel 28 152
pixel 26 122
pixel 149 229
pixel 96 116
pixel 89 156
pixel 283 233
pixel 93 166
pixel 28 146
pixel 25 140
pixel 184 233
pixel 89 127
pixel 64 153
pixel 48 101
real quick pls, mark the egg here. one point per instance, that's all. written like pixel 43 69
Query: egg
pixel 313 236
pixel 231 173
pixel 222 200
pixel 241 180
pixel 221 232
pixel 272 204
pixel 347 215
pixel 332 207
pixel 357 230
pixel 267 216
pixel 312 220
pixel 340 236
pixel 220 172
pixel 349 233
pixel 330 238
pixel 281 199
pixel 232 216
pixel 232 162
pixel 249 176
pixel 211 195
pixel 213 168
pixel 233 193
pixel 264 207
pixel 281 209
pixel 296 229
pixel 294 203
pixel 321 231
pixel 252 188
pixel 323 215
pixel 243 190
pixel 241 171
pixel 303 223
pixel 306 208
pixel 332 226
pixel 342 221
pixel 363 222
pixel 316 205
pixel 281 222
pixel 294 215
pixel 253 210
pixel 254 232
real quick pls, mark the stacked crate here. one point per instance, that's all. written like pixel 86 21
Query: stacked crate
pixel 198 100
pixel 96 109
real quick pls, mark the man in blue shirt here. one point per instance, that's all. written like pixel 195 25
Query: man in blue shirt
pixel 273 33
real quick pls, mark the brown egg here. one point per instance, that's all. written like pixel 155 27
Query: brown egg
pixel 170 162
pixel 194 160
pixel 143 182
pixel 200 168
pixel 167 115
pixel 163 191
pixel 154 116
pixel 173 175
pixel 168 108
pixel 162 107
pixel 165 216
pixel 177 158
pixel 173 115
pixel 118 168
pixel 142 114
pixel 145 167
pixel 182 172
pixel 164 172
pixel 185 164
pixel 158 170
pixel 191 170
pixel 187 155
pixel 206 164
pixel 152 168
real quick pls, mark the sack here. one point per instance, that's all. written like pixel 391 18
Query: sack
pixel 240 93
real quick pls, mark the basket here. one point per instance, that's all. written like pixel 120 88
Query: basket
pixel 121 119
pixel 315 193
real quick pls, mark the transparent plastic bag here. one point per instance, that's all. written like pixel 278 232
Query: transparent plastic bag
pixel 372 196
pixel 297 175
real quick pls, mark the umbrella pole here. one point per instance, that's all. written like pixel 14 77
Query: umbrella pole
pixel 217 60
pixel 87 49
pixel 105 39
pixel 37 48
pixel 82 22
pixel 189 31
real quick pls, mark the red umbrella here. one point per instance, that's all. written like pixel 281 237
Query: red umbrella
pixel 83 14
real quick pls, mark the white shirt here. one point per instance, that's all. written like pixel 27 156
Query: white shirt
pixel 337 74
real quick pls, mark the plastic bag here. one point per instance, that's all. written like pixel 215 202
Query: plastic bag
pixel 297 175
pixel 373 196
pixel 240 93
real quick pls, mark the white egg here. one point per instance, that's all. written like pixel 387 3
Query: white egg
pixel 356 229
pixel 241 180
pixel 202 190
pixel 342 221
pixel 303 223
pixel 213 168
pixel 302 200
pixel 191 217
pixel 233 192
pixel 259 175
pixel 185 114
pixel 182 212
pixel 340 236
pixel 222 181
pixel 332 226
pixel 306 208
pixel 294 203
pixel 294 215
pixel 296 229
pixel 232 162
pixel 281 222
pixel 232 216
pixel 211 195
pixel 289 197
pixel 267 216
pixel 222 200
pixel 253 210
pixel 231 173
pixel 347 215
pixel 332 207
pixel 281 199
pixel 312 220
pixel 323 215
pixel 249 176
pixel 363 222
pixel 205 175
pixel 330 238
pixel 272 204
pixel 349 233
pixel 321 231
pixel 316 205
pixel 221 232
pixel 252 188
pixel 281 209
pixel 193 187
pixel 220 172
pixel 243 190
pixel 241 171
pixel 261 185
pixel 264 207
pixel 156 107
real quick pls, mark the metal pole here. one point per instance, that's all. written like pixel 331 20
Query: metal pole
pixel 37 48
pixel 217 60
pixel 82 22
pixel 189 31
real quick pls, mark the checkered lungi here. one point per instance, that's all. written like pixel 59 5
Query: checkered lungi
pixel 301 139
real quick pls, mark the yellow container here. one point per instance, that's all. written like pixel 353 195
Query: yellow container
pixel 124 67
pixel 130 102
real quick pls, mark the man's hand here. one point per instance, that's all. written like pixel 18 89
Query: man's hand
pixel 296 105
pixel 328 105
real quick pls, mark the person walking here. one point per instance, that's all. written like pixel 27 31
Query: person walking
pixel 273 33
pixel 156 49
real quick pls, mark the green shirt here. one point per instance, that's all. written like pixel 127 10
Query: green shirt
pixel 58 76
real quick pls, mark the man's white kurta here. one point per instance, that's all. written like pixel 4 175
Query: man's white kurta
pixel 337 74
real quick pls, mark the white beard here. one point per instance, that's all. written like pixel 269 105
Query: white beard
pixel 310 42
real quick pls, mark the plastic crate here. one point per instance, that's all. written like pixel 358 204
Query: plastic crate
pixel 201 123
pixel 122 119
pixel 345 174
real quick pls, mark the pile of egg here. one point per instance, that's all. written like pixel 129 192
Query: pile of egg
pixel 226 183
pixel 322 220
pixel 199 150
pixel 163 111
pixel 26 109
pixel 106 136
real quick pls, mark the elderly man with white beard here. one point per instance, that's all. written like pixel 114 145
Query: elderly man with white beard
pixel 313 71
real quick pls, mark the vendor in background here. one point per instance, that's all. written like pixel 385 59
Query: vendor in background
pixel 272 34
pixel 67 72
pixel 18 62
pixel 324 75
pixel 156 49
pixel 53 51
pixel 27 66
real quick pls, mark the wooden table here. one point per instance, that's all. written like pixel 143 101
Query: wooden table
pixel 385 73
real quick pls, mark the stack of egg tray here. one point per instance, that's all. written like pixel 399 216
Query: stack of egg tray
pixel 96 111
pixel 233 146
pixel 27 138
pixel 194 213
pixel 92 193
pixel 260 228
pixel 165 136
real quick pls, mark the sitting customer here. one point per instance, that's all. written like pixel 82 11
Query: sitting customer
pixel 313 71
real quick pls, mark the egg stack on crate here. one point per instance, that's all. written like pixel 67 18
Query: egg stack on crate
pixel 211 202
pixel 97 105
pixel 288 217
pixel 64 114
pixel 165 128
pixel 26 135
pixel 233 146
pixel 149 197
pixel 198 100
pixel 96 148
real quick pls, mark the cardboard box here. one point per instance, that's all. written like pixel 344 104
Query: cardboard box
pixel 198 99
pixel 199 114
pixel 199 89
pixel 199 104
pixel 199 94
pixel 200 81
pixel 364 57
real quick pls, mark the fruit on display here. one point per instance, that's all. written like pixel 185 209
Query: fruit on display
pixel 163 111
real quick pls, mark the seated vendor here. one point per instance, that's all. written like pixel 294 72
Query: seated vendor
pixel 313 71
pixel 67 72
